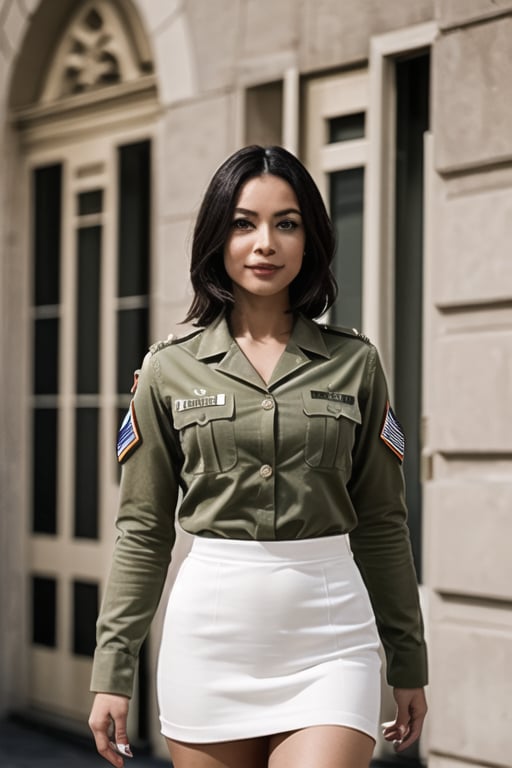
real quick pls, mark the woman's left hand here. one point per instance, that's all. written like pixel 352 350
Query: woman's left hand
pixel 411 710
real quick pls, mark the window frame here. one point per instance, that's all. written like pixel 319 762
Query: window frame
pixel 96 151
pixel 379 200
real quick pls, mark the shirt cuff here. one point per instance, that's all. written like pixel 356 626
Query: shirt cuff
pixel 408 669
pixel 113 672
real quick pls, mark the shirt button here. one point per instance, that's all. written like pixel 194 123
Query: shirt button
pixel 266 470
pixel 267 403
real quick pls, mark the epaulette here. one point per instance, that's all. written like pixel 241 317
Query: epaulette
pixel 352 332
pixel 172 339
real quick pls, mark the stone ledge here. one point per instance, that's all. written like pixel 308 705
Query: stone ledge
pixel 452 14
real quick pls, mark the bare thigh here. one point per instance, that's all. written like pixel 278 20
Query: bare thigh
pixel 249 753
pixel 321 746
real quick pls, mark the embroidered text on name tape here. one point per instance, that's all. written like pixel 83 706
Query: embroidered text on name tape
pixel 199 402
pixel 338 397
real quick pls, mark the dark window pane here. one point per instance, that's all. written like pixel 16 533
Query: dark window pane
pixel 134 219
pixel 412 113
pixel 88 290
pixel 46 356
pixel 90 202
pixel 44 611
pixel 85 613
pixel 264 114
pixel 47 206
pixel 346 197
pixel 132 342
pixel 346 127
pixel 44 471
pixel 86 473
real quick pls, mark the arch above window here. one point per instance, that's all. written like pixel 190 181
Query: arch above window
pixel 79 48
pixel 95 51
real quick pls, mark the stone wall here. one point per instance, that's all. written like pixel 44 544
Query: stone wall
pixel 468 520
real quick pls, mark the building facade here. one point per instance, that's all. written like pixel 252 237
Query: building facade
pixel 113 116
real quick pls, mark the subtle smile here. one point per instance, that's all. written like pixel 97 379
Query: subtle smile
pixel 263 267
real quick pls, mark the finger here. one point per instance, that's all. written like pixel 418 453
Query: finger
pixel 396 737
pixel 391 734
pixel 122 742
pixel 413 735
pixel 111 754
pixel 403 720
pixel 390 729
pixel 103 744
pixel 396 731
pixel 121 749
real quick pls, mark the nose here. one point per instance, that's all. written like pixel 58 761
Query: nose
pixel 263 244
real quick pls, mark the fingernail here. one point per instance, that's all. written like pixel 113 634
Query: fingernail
pixel 122 749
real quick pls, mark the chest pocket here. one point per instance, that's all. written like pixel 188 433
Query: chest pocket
pixel 207 437
pixel 330 433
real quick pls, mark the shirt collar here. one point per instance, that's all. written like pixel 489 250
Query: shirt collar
pixel 307 335
pixel 216 339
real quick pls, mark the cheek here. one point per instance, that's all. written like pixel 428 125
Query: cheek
pixel 299 260
pixel 232 258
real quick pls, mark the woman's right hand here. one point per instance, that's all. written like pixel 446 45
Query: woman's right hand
pixel 110 709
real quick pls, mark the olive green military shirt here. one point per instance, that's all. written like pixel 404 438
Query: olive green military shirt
pixel 316 452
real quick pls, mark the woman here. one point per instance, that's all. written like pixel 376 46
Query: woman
pixel 280 435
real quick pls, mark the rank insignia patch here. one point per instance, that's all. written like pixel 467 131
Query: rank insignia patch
pixel 392 433
pixel 129 437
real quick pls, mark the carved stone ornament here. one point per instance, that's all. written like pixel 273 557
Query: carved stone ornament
pixel 94 52
pixel 93 59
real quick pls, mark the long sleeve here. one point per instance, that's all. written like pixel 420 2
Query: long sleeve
pixel 145 524
pixel 380 541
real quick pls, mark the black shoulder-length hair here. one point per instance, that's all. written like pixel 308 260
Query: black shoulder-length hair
pixel 314 289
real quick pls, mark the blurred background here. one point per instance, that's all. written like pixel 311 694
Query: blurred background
pixel 113 116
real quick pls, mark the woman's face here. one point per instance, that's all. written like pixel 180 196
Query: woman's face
pixel 264 249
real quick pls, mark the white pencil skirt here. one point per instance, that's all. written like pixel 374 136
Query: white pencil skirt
pixel 265 637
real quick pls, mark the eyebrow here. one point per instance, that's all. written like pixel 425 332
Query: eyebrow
pixel 285 212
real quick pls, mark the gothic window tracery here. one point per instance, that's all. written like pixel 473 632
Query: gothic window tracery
pixel 93 59
pixel 94 52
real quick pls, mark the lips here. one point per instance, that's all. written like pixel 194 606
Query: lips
pixel 265 267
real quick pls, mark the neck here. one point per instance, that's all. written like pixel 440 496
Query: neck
pixel 261 322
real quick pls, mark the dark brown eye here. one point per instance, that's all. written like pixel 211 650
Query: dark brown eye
pixel 288 225
pixel 241 224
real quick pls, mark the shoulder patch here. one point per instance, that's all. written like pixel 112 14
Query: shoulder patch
pixel 392 433
pixel 353 332
pixel 129 437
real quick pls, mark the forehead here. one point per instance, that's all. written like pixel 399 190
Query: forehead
pixel 266 190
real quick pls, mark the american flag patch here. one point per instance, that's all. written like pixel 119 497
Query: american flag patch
pixel 129 436
pixel 392 433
